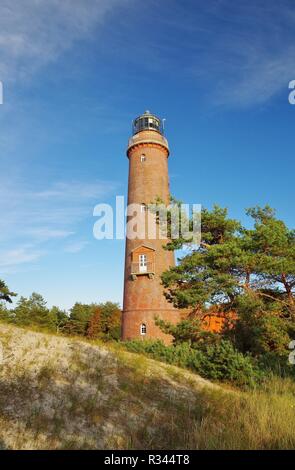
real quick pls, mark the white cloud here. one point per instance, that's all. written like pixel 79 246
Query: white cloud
pixel 75 190
pixel 18 256
pixel 253 57
pixel 239 53
pixel 45 234
pixel 244 51
pixel 76 247
pixel 33 218
pixel 34 33
pixel 256 78
pixel 51 212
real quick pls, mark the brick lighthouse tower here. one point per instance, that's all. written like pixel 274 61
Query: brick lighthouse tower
pixel 145 257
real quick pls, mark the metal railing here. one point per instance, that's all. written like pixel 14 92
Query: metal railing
pixel 138 269
pixel 156 139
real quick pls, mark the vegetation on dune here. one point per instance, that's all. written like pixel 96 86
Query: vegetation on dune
pixel 248 272
pixel 219 361
pixel 247 275
pixel 92 321
pixel 65 393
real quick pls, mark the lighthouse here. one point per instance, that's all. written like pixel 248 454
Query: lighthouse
pixel 145 256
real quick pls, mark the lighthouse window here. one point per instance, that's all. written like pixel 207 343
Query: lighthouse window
pixel 143 329
pixel 143 263
pixel 143 208
pixel 142 158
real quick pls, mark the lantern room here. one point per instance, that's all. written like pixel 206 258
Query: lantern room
pixel 147 122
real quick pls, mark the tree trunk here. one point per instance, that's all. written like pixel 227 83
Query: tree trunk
pixel 288 290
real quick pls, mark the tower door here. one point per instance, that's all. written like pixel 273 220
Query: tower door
pixel 142 263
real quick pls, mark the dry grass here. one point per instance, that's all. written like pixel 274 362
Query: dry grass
pixel 63 393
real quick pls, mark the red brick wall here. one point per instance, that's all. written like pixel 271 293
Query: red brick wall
pixel 143 297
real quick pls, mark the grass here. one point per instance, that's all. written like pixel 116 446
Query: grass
pixel 213 418
pixel 71 394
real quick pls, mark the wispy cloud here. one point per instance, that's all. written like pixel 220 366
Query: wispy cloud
pixel 243 52
pixel 33 218
pixel 239 54
pixel 45 234
pixel 76 247
pixel 34 33
pixel 75 190
pixel 258 52
pixel 251 55
pixel 51 212
pixel 259 82
pixel 18 256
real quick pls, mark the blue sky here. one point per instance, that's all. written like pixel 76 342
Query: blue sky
pixel 75 74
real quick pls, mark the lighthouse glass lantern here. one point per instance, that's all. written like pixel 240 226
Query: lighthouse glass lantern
pixel 147 122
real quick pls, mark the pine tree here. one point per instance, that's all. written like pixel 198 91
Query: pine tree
pixel 80 315
pixel 32 311
pixel 5 293
pixel 249 271
pixel 59 317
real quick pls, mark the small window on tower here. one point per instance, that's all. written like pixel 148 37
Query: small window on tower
pixel 143 207
pixel 142 158
pixel 143 329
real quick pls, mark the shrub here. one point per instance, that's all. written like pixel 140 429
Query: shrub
pixel 220 361
pixel 223 362
pixel 277 365
pixel 5 313
pixel 261 328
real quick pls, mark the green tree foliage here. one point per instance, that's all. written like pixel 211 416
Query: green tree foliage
pixel 232 260
pixel 94 320
pixel 187 330
pixel 206 274
pixel 5 313
pixel 32 311
pixel 249 271
pixel 79 317
pixel 5 293
pixel 273 246
pixel 219 361
pixel 261 327
pixel 59 317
